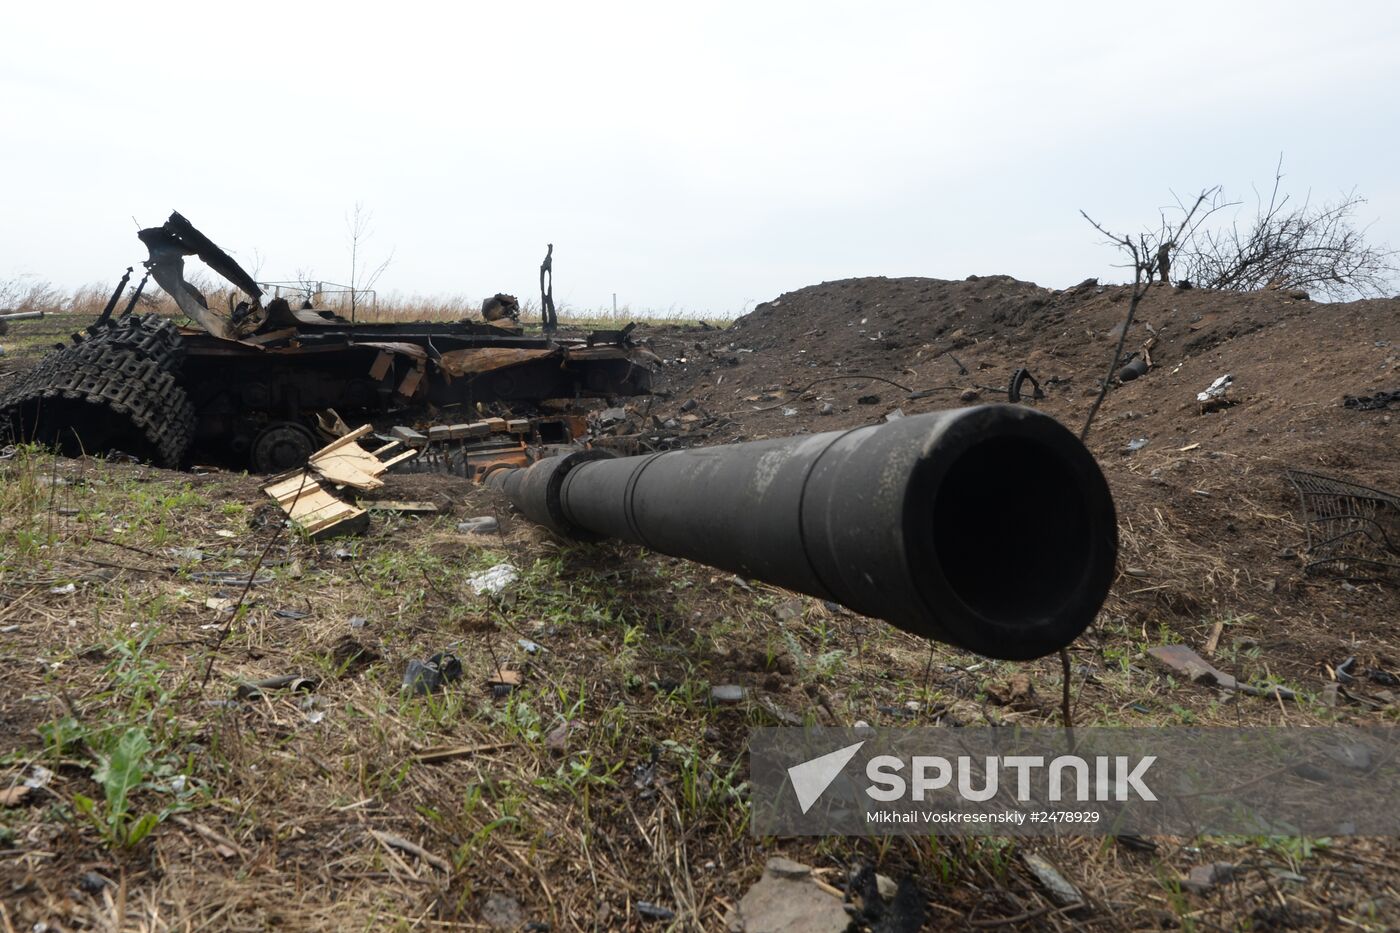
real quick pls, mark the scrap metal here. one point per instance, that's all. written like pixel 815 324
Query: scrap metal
pixel 1351 528
pixel 248 383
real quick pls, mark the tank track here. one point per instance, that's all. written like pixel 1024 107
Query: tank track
pixel 113 388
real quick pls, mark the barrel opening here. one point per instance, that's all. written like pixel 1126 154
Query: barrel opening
pixel 1011 530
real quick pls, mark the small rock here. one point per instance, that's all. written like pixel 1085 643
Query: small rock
pixel 90 882
pixel 786 900
pixel 727 693
pixel 789 412
pixel 1287 554
pixel 780 867
pixel 1135 445
pixel 1204 877
pixel 502 912
pixel 886 886
pixel 969 395
pixel 481 525
pixel 868 400
pixel 557 741
pixel 826 409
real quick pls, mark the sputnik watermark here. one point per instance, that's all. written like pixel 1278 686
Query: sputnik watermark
pixel 1053 782
pixel 1067 777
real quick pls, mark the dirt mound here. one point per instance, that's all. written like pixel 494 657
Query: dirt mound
pixel 1211 527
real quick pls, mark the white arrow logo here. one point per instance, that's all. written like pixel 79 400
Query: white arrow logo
pixel 810 779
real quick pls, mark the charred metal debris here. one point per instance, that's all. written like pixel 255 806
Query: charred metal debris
pixel 251 384
pixel 1352 529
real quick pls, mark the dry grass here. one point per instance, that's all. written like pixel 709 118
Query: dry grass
pixel 89 300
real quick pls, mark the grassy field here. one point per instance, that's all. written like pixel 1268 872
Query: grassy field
pixel 170 794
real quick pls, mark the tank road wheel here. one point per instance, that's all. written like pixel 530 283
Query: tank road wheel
pixel 281 446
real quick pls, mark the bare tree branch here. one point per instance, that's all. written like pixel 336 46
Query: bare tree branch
pixel 1291 246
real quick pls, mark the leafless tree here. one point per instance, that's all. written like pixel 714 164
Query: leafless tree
pixel 1292 245
pixel 362 275
pixel 1143 253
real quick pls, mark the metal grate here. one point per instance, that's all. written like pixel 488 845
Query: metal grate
pixel 1351 528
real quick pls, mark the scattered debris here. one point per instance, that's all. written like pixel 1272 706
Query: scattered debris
pixel 391 841
pixel 231 578
pixel 655 912
pixel 786 899
pixel 1018 384
pixel 1353 528
pixel 1061 891
pixel 340 463
pixel 66 589
pixel 503 682
pixel 394 505
pixel 1377 402
pixel 1183 660
pixel 728 694
pixel 14 796
pixel 1017 693
pixel 493 580
pixel 1204 877
pixel 424 677
pixel 480 525
pixel 1135 369
pixel 1135 445
pixel 294 683
pixel 1216 395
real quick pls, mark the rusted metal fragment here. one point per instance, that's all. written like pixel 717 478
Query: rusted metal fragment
pixel 486 359
pixel 1197 669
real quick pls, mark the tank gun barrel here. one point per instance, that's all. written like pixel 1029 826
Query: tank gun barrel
pixel 988 528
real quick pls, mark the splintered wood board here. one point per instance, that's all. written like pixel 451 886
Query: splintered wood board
pixel 344 463
pixel 308 504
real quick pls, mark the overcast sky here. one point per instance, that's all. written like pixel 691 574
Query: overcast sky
pixel 696 157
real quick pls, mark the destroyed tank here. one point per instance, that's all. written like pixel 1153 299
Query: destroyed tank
pixel 265 384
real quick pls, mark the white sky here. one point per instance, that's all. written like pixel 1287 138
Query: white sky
pixel 694 157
